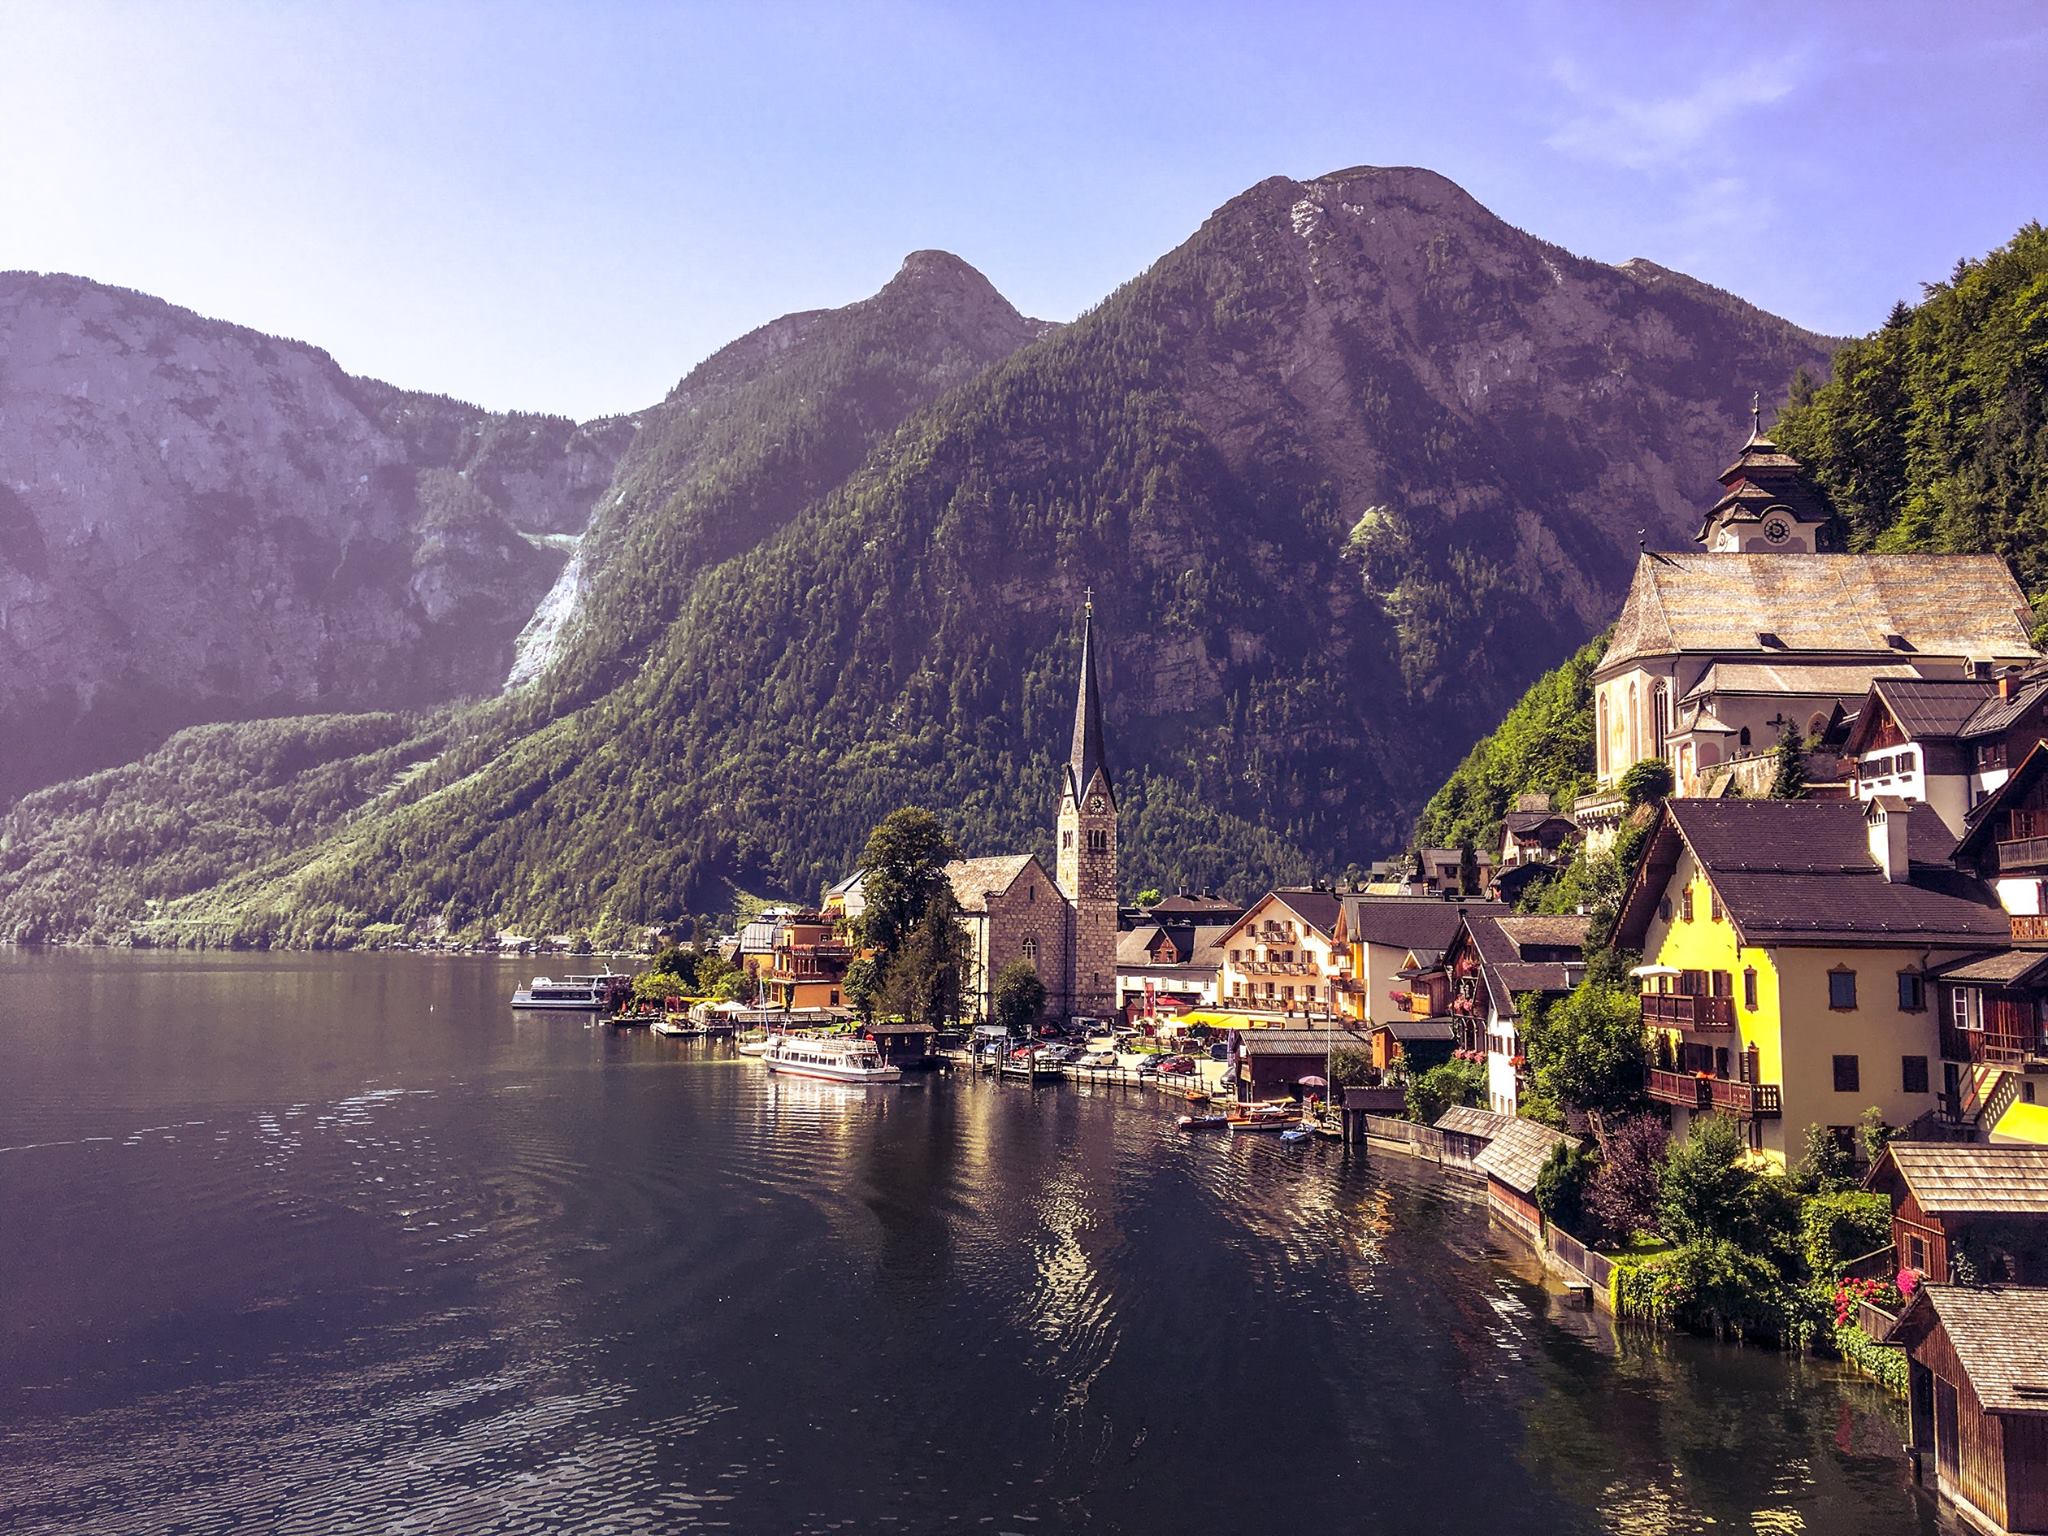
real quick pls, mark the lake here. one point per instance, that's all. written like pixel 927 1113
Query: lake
pixel 309 1243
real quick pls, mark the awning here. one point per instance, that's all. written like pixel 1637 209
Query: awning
pixel 2024 1125
pixel 1655 970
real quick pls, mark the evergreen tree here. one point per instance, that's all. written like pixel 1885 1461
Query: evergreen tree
pixel 1017 1001
pixel 1789 782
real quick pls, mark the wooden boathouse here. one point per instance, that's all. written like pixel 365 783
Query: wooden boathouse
pixel 1977 1391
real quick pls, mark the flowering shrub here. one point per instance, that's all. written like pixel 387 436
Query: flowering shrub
pixel 1879 1293
pixel 1908 1282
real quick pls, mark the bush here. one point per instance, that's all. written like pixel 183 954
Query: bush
pixel 1561 1188
pixel 1826 1165
pixel 1623 1195
pixel 1444 1087
pixel 1646 782
pixel 1883 1365
pixel 1846 1224
pixel 1714 1286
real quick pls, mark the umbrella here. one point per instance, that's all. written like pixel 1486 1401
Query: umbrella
pixel 1311 1082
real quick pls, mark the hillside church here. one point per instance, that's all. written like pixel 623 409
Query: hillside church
pixel 1063 923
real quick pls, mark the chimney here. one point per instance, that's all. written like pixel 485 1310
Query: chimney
pixel 1884 823
pixel 2005 683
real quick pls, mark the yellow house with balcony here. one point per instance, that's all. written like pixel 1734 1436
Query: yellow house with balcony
pixel 1786 948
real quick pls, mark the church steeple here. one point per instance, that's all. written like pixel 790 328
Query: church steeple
pixel 1085 868
pixel 1766 505
pixel 1086 759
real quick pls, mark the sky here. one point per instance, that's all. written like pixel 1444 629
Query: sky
pixel 564 207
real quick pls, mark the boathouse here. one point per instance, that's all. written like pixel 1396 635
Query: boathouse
pixel 1467 1132
pixel 1272 1062
pixel 1977 1392
pixel 902 1044
pixel 1420 1043
pixel 1985 1205
pixel 1511 1162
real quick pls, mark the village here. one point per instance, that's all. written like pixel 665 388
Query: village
pixel 1785 1083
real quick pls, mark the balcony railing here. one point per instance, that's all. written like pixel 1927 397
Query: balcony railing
pixel 1761 1101
pixel 1680 1088
pixel 2022 852
pixel 2029 926
pixel 1679 1010
pixel 1992 1047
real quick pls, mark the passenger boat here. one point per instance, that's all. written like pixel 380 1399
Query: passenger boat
pixel 584 992
pixel 835 1058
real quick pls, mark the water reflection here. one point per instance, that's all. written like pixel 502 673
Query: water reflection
pixel 340 1244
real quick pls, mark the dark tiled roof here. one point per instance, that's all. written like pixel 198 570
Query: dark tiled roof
pixel 1932 707
pixel 1959 1178
pixel 1134 945
pixel 1795 676
pixel 1801 872
pixel 1180 905
pixel 1419 923
pixel 1942 605
pixel 1317 908
pixel 1996 714
pixel 2002 967
pixel 1517 1154
pixel 2000 1335
pixel 1409 1030
pixel 1469 1120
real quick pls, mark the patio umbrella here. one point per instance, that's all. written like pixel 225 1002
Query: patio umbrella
pixel 1311 1082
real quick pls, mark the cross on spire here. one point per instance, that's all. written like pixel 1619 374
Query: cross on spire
pixel 1756 414
pixel 1088 598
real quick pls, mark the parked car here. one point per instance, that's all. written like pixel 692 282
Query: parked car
pixel 1022 1053
pixel 1058 1055
pixel 1098 1059
pixel 1177 1066
pixel 1149 1067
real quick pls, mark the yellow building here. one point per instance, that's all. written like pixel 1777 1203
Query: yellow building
pixel 1787 946
pixel 1377 937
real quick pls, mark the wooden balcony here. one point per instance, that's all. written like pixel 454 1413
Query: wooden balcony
pixel 1680 1088
pixel 2022 853
pixel 1678 1010
pixel 1993 1047
pixel 2029 926
pixel 1746 1101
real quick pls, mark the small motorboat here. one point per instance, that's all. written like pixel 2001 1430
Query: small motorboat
pixel 1203 1122
pixel 1299 1133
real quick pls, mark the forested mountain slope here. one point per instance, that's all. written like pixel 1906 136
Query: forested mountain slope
pixel 1931 435
pixel 198 522
pixel 1344 471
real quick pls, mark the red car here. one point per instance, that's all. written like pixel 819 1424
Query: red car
pixel 1178 1065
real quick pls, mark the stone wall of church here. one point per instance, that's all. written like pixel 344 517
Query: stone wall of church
pixel 1032 921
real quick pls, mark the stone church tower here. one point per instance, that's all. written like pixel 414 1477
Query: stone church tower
pixel 1087 848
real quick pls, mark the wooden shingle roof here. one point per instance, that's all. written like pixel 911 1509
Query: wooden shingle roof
pixel 1470 1120
pixel 975 880
pixel 1517 1154
pixel 2000 1335
pixel 1961 1178
pixel 1841 605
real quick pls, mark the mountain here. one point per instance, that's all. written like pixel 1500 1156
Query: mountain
pixel 1344 472
pixel 1931 436
pixel 199 522
pixel 747 439
pixel 755 433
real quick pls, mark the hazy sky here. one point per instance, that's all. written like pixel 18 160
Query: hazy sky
pixel 562 207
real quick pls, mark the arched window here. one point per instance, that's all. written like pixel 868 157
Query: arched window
pixel 1030 949
pixel 1635 729
pixel 1661 702
pixel 1744 737
pixel 1601 743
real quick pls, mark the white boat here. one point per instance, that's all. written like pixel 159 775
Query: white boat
pixel 674 1024
pixel 756 1045
pixel 585 992
pixel 835 1058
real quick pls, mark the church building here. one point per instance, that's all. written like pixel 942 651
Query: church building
pixel 1064 923
pixel 1766 628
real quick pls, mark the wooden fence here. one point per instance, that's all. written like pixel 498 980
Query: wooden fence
pixel 1596 1269
pixel 1420 1140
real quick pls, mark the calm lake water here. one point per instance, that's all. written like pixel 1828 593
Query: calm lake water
pixel 338 1244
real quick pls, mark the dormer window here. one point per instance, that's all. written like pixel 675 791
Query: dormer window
pixel 1769 640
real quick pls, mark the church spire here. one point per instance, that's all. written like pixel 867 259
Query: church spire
pixel 1087 758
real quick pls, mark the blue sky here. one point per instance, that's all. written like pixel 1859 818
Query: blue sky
pixel 563 207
